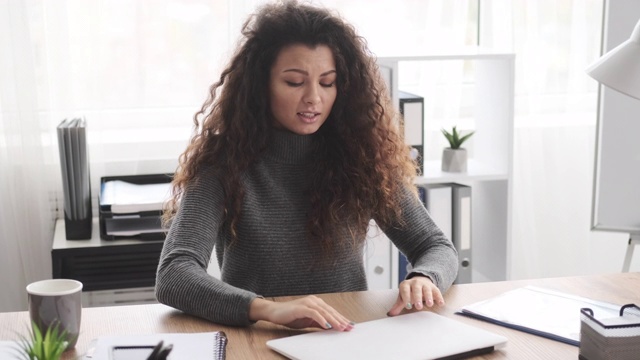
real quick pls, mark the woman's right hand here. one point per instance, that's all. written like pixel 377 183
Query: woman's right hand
pixel 309 311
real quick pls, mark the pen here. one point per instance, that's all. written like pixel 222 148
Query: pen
pixel 156 350
pixel 160 352
pixel 164 352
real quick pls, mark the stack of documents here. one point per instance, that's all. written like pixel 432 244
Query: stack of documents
pixel 74 163
pixel 125 197
pixel 132 206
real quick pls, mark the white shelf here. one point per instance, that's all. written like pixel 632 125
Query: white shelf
pixel 490 166
pixel 476 171
pixel 459 53
pixel 60 241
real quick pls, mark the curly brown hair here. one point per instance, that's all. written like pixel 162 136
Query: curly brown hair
pixel 361 161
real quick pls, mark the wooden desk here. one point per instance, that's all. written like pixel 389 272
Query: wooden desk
pixel 249 343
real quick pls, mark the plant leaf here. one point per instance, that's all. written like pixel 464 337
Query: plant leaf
pixel 46 344
pixel 37 334
pixel 449 137
pixel 464 138
pixel 454 139
pixel 37 347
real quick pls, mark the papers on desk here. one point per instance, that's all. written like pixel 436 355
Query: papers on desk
pixel 539 311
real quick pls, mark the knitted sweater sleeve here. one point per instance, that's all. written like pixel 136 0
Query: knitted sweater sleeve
pixel 182 280
pixel 424 244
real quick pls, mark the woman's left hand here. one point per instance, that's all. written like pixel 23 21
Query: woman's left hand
pixel 415 293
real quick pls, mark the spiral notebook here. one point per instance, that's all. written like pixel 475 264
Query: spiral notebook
pixel 193 346
pixel 419 335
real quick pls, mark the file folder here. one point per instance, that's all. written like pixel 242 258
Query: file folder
pixel 437 199
pixel 412 111
pixel 539 311
pixel 461 230
pixel 74 166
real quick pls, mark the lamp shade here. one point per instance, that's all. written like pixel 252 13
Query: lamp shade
pixel 619 69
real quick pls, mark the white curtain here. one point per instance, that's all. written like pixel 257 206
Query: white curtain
pixel 136 70
pixel 28 178
pixel 554 144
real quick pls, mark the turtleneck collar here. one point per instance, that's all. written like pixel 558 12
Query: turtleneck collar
pixel 289 148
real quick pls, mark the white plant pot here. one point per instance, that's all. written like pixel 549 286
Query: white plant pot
pixel 454 160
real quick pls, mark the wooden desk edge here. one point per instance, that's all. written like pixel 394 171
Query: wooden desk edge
pixel 250 342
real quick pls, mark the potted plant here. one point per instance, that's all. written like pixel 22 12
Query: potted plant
pixel 454 158
pixel 47 346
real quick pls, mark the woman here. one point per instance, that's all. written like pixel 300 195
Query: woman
pixel 295 151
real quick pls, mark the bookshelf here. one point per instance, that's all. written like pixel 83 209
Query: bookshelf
pixel 486 90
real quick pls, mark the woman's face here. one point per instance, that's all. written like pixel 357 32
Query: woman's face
pixel 302 88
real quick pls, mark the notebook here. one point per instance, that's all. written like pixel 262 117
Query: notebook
pixel 10 349
pixel 191 346
pixel 419 335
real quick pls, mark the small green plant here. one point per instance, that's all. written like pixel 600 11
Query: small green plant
pixel 47 346
pixel 455 141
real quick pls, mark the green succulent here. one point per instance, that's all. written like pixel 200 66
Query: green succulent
pixel 455 141
pixel 47 346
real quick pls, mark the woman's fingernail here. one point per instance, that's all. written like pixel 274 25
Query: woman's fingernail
pixel 328 326
pixel 353 323
pixel 409 306
pixel 419 305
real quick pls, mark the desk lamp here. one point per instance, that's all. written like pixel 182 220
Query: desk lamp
pixel 619 69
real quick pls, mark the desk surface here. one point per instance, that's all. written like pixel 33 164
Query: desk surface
pixel 249 343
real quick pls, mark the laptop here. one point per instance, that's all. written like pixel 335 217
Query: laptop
pixel 420 335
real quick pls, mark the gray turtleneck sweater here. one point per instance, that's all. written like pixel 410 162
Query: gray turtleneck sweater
pixel 272 256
